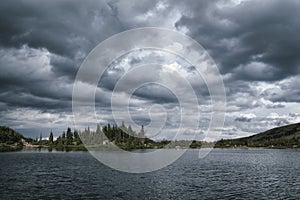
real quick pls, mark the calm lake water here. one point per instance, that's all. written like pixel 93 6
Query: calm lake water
pixel 223 174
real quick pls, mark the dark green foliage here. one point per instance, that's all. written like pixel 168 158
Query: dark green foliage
pixel 280 137
pixel 58 141
pixel 121 136
pixel 63 138
pixel 9 136
pixel 6 147
pixel 69 141
pixel 51 138
pixel 195 144
pixel 69 137
pixel 77 139
pixel 10 140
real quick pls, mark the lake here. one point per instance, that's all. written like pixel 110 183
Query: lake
pixel 223 174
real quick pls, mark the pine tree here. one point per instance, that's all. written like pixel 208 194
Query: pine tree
pixel 99 135
pixel 69 139
pixel 77 138
pixel 51 137
pixel 123 124
pixel 98 130
pixel 142 135
pixel 130 131
pixel 63 138
pixel 58 141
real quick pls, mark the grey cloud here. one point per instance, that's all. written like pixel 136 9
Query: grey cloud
pixel 156 93
pixel 253 42
pixel 278 105
pixel 243 119
pixel 28 100
pixel 62 27
pixel 285 91
pixel 294 115
pixel 246 33
pixel 64 66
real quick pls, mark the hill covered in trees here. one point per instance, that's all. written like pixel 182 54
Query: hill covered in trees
pixel 10 140
pixel 280 137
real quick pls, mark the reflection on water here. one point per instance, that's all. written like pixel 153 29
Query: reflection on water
pixel 223 174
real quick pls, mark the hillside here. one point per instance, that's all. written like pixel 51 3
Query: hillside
pixel 10 140
pixel 280 137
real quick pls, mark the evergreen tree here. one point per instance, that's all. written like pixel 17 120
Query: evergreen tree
pixel 98 130
pixel 142 135
pixel 142 132
pixel 99 135
pixel 130 131
pixel 109 132
pixel 69 139
pixel 51 137
pixel 63 138
pixel 58 140
pixel 77 138
pixel 123 125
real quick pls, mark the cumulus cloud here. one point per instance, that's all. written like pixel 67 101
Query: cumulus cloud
pixel 245 117
pixel 255 45
pixel 241 34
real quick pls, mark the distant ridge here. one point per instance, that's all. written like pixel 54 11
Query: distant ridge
pixel 280 137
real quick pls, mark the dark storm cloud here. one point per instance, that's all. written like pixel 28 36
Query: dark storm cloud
pixel 43 44
pixel 156 93
pixel 67 30
pixel 64 66
pixel 28 100
pixel 242 119
pixel 238 86
pixel 63 27
pixel 252 32
pixel 60 33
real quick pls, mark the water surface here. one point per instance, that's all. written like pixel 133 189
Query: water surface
pixel 223 174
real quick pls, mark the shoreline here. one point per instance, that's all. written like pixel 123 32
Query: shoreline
pixel 14 148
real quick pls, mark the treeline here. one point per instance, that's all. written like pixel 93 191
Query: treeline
pixel 67 141
pixel 276 143
pixel 126 138
pixel 122 136
pixel 68 138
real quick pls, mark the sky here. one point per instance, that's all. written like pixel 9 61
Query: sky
pixel 255 45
